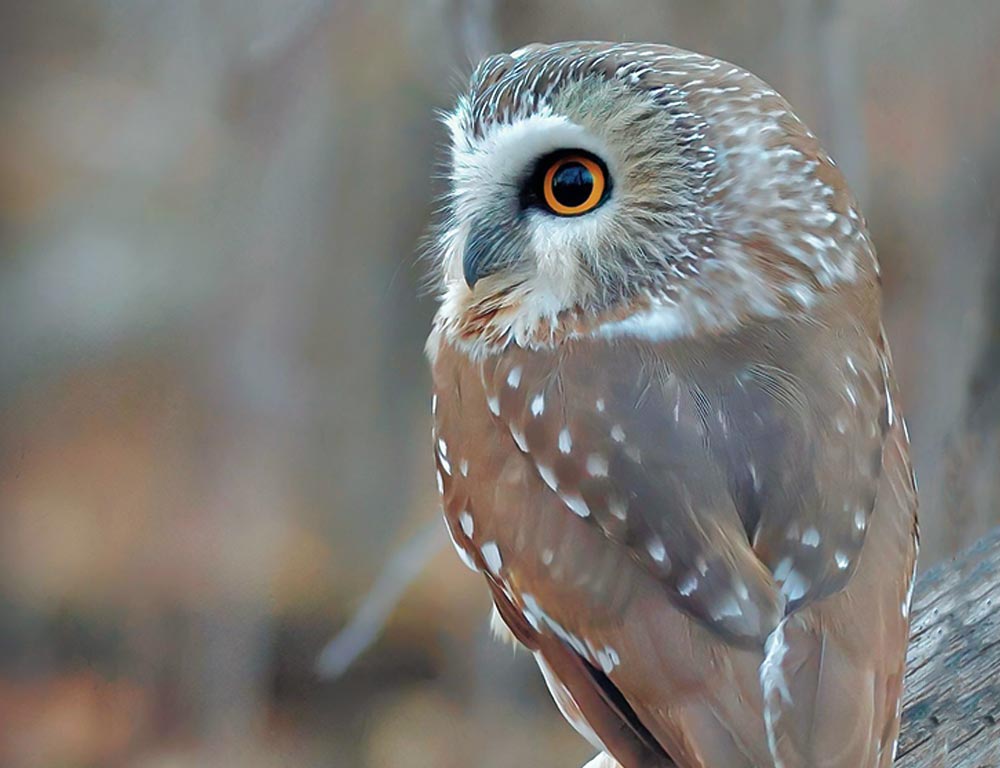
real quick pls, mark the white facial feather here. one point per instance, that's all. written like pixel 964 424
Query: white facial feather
pixel 487 168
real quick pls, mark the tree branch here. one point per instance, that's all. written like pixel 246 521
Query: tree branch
pixel 951 716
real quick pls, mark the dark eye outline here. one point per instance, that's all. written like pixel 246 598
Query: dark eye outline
pixel 537 191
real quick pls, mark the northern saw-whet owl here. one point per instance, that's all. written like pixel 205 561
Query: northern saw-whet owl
pixel 664 417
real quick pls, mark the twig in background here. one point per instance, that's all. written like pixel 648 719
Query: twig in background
pixel 405 565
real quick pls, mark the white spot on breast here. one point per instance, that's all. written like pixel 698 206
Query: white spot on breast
pixel 688 585
pixel 605 659
pixel 440 481
pixel 465 520
pixel 701 565
pixel 493 404
pixel 597 465
pixel 728 608
pixel 442 447
pixel 600 405
pixel 860 519
pixel 518 436
pixel 547 555
pixel 532 620
pixel 565 441
pixel 851 395
pixel 740 587
pixel 462 554
pixel 618 507
pixel 576 503
pixel 783 569
pixel 463 467
pixel 656 549
pixel 795 585
pixel 538 404
pixel 810 537
pixel 549 476
pixel 841 559
pixel 617 433
pixel 514 377
pixel 434 404
pixel 491 555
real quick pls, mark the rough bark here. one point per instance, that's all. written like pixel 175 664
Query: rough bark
pixel 951 715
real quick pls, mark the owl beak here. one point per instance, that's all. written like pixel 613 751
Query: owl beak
pixel 484 254
pixel 470 267
pixel 475 262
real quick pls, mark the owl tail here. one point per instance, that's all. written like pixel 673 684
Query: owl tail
pixel 823 706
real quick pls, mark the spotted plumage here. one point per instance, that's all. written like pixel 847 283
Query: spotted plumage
pixel 665 420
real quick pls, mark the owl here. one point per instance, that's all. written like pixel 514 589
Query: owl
pixel 665 426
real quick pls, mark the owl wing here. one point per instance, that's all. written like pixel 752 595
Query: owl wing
pixel 652 580
pixel 833 676
pixel 621 442
pixel 700 478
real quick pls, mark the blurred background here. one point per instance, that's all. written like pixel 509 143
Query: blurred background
pixel 214 408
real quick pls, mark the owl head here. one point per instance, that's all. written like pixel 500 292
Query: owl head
pixel 600 188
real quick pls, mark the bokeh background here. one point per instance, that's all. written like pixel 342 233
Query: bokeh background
pixel 213 402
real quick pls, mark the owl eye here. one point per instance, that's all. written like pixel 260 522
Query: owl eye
pixel 573 184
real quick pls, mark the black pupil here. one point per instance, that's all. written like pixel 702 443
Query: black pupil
pixel 572 185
